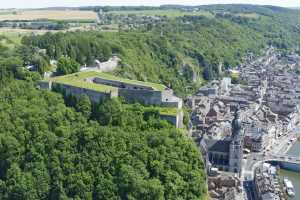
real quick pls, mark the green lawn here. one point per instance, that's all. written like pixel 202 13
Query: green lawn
pixel 166 111
pixel 77 80
pixel 169 111
pixel 155 86
pixel 91 86
pixel 169 13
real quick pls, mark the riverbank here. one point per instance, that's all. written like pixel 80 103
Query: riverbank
pixel 293 176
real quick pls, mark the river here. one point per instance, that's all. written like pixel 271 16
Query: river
pixel 293 176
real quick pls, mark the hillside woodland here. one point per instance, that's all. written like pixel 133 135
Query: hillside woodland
pixel 57 147
pixel 182 52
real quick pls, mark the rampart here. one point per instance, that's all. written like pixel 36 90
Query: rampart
pixel 147 97
pixel 94 96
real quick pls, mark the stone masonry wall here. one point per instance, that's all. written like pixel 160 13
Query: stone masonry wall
pixel 95 96
pixel 170 100
pixel 46 85
pixel 146 97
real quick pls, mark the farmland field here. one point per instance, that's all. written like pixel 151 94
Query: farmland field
pixel 48 14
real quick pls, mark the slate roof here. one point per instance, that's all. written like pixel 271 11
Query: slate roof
pixel 218 145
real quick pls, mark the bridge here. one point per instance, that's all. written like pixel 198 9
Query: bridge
pixel 284 161
pixel 281 158
pixel 291 163
pixel 254 160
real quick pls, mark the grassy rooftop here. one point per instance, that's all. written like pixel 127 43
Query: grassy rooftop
pixel 166 111
pixel 169 111
pixel 77 80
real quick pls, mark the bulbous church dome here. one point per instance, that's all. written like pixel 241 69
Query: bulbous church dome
pixel 236 123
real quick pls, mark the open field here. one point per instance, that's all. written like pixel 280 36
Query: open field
pixel 19 32
pixel 169 13
pixel 48 14
pixel 14 35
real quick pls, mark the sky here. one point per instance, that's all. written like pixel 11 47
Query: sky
pixel 75 3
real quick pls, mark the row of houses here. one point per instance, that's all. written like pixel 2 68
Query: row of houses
pixel 267 183
pixel 262 123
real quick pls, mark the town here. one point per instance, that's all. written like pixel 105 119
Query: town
pixel 239 126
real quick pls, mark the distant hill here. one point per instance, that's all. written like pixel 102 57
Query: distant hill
pixel 185 47
pixel 245 8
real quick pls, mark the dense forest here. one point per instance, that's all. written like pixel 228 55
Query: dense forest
pixel 58 147
pixel 182 52
pixel 49 151
pixel 54 146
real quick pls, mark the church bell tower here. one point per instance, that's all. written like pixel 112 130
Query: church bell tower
pixel 236 145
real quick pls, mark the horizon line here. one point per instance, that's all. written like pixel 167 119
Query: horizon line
pixel 158 6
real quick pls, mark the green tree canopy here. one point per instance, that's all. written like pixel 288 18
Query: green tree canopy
pixel 67 65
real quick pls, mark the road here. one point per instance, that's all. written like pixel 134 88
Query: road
pixel 249 190
pixel 283 144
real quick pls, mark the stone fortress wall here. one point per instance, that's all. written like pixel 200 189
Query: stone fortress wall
pixel 142 96
pixel 46 85
pixel 168 99
pixel 94 96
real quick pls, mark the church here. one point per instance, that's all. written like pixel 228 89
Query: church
pixel 226 154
